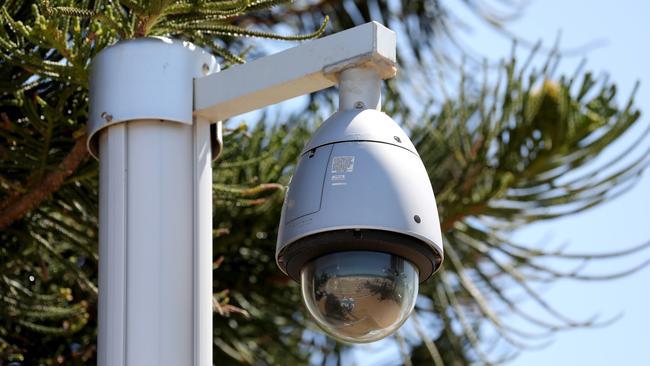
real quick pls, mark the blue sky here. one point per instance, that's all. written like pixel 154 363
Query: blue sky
pixel 621 31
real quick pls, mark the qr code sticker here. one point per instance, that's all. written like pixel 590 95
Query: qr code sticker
pixel 343 164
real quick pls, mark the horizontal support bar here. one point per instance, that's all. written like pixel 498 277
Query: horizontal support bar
pixel 304 69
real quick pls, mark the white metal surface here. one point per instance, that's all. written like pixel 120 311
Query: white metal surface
pixel 310 67
pixel 160 68
pixel 155 305
pixel 202 281
pixel 360 125
pixel 378 182
pixel 112 248
pixel 359 88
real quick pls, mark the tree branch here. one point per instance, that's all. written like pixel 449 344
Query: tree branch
pixel 448 222
pixel 16 207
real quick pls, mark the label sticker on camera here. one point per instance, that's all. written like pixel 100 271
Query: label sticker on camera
pixel 338 180
pixel 342 164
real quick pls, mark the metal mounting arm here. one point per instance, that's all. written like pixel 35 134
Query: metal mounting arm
pixel 304 69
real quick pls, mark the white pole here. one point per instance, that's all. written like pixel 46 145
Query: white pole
pixel 155 290
pixel 154 250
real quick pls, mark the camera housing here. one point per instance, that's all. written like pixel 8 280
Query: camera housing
pixel 359 227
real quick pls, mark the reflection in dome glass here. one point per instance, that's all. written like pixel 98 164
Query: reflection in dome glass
pixel 359 296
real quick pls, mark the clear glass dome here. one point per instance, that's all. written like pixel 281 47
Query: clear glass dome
pixel 359 296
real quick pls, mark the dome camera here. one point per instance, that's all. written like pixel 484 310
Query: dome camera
pixel 359 228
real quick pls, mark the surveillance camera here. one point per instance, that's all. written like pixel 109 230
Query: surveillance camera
pixel 359 228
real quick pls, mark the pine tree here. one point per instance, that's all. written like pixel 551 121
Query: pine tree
pixel 498 151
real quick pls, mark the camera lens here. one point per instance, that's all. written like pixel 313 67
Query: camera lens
pixel 359 296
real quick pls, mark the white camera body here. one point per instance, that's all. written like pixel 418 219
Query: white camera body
pixel 359 227
pixel 360 172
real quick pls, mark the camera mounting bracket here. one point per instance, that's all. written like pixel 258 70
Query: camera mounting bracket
pixel 304 69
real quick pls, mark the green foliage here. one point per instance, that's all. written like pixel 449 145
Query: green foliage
pixel 502 157
pixel 517 149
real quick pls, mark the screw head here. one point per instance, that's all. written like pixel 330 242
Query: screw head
pixel 107 117
pixel 359 105
pixel 417 219
pixel 397 139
